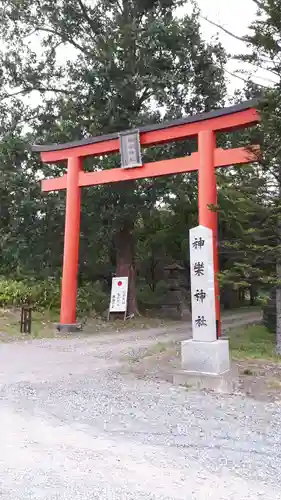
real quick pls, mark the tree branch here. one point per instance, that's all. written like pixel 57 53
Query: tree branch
pixel 64 38
pixel 120 7
pixel 51 89
pixel 86 15
pixel 244 79
pixel 90 22
pixel 8 96
pixel 244 39
pixel 240 38
pixel 145 95
pixel 256 63
pixel 39 89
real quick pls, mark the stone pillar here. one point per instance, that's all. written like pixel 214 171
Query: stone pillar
pixel 205 359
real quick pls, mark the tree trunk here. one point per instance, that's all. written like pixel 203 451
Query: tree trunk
pixel 227 297
pixel 278 288
pixel 125 262
pixel 241 296
pixel 278 309
pixel 253 295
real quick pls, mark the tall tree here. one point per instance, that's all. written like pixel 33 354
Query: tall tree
pixel 265 44
pixel 105 66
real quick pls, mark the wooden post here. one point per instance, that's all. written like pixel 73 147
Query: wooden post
pixel 207 195
pixel 71 245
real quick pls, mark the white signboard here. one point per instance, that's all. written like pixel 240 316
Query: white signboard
pixel 119 295
pixel 202 284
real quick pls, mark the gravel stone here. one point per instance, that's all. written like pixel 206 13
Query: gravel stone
pixel 73 426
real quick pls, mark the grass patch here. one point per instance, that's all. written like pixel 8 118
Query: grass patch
pixel 241 310
pixel 158 348
pixel 154 350
pixel 42 324
pixel 99 325
pixel 253 342
pixel 274 383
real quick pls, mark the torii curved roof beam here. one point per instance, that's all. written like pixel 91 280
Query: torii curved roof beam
pixel 225 119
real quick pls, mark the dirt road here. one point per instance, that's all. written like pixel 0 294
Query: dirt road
pixel 75 426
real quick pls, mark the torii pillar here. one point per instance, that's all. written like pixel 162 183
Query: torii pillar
pixel 207 198
pixel 71 244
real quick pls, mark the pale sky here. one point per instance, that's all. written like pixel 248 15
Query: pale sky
pixel 235 16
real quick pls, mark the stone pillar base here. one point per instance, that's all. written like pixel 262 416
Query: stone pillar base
pixel 73 328
pixel 205 365
pixel 202 381
pixel 205 357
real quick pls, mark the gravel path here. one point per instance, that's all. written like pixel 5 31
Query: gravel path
pixel 73 427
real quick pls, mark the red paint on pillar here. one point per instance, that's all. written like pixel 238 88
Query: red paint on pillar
pixel 71 243
pixel 207 196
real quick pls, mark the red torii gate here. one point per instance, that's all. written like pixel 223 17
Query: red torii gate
pixel 206 160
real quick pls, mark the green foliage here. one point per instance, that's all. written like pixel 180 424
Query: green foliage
pixel 148 298
pixel 39 294
pixel 91 297
pixel 46 294
pixel 246 232
pixel 269 312
pixel 264 41
pixel 128 63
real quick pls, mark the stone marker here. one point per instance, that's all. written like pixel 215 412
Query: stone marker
pixel 205 359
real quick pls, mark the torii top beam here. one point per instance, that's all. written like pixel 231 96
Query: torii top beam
pixel 234 117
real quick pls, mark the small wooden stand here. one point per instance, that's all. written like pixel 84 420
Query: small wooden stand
pixel 25 321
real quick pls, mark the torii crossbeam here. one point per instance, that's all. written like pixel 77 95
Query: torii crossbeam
pixel 206 160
